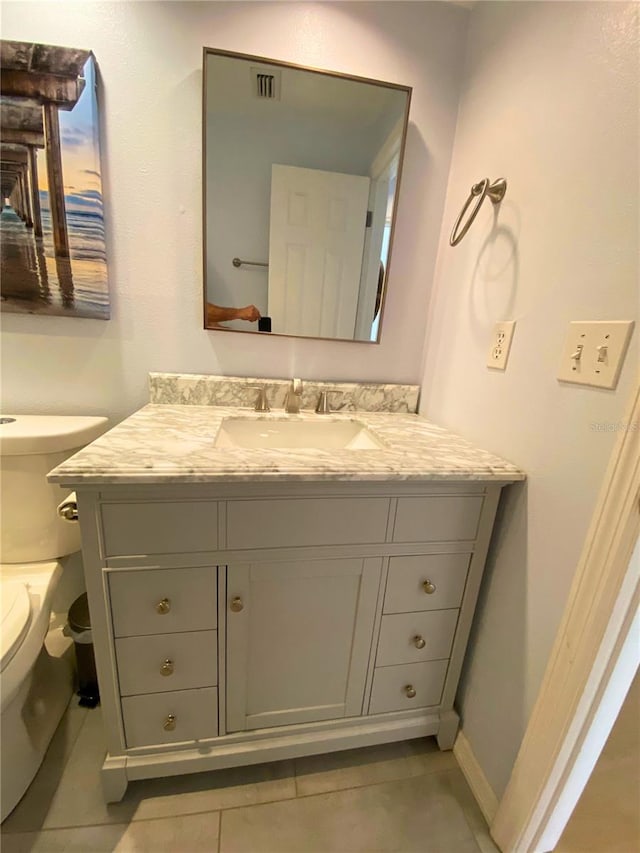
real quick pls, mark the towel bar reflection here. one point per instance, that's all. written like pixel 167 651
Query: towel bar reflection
pixel 238 262
pixel 479 191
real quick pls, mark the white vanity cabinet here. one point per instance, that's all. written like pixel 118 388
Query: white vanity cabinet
pixel 237 623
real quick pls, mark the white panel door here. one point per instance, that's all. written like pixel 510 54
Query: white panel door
pixel 298 640
pixel 316 241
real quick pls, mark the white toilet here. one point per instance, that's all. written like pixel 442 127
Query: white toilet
pixel 35 683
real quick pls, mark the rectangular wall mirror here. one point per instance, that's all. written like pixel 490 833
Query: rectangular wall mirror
pixel 301 175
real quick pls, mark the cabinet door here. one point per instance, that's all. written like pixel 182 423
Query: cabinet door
pixel 298 640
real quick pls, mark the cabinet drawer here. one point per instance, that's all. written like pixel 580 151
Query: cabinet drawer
pixel 195 714
pixel 163 527
pixel 443 518
pixel 306 521
pixel 403 634
pixel 157 601
pixel 164 662
pixel 390 685
pixel 410 578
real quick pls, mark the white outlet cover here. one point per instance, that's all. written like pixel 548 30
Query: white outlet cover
pixel 500 345
pixel 594 352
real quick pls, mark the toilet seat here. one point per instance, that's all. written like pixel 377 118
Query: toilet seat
pixel 21 644
pixel 15 617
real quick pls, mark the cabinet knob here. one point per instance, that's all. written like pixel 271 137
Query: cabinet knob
pixel 163 606
pixel 410 691
pixel 419 642
pixel 237 604
pixel 167 667
pixel 170 723
pixel 429 587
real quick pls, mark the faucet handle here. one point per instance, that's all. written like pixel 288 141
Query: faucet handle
pixel 294 396
pixel 262 404
pixel 323 407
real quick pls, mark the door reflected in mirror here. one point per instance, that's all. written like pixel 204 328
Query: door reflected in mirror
pixel 301 176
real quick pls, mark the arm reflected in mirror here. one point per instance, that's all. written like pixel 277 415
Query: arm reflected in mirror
pixel 216 314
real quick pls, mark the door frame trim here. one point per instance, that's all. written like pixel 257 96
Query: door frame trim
pixel 591 665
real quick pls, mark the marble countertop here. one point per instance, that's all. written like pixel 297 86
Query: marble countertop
pixel 175 444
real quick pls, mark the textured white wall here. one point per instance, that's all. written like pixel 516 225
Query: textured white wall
pixel 150 60
pixel 550 101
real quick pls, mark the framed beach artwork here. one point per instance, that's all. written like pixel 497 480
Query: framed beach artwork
pixel 53 259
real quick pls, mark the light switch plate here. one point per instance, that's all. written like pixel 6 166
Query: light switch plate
pixel 500 345
pixel 594 351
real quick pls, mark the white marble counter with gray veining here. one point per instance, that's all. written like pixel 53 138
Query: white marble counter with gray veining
pixel 169 443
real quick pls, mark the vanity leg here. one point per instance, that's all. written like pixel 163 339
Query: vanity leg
pixel 114 779
pixel 449 723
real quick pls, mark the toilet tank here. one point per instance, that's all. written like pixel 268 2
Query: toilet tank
pixel 30 446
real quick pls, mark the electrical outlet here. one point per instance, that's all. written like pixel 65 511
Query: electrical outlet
pixel 594 352
pixel 500 345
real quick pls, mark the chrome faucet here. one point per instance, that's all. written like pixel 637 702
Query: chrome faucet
pixel 323 407
pixel 293 399
pixel 262 403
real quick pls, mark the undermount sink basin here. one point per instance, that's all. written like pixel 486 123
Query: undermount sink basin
pixel 286 433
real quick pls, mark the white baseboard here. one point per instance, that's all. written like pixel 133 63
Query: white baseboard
pixel 473 773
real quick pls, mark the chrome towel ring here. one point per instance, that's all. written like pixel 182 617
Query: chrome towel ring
pixel 479 191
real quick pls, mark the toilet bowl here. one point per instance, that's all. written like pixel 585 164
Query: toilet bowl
pixel 35 681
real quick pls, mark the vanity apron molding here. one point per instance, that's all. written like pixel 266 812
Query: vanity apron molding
pixel 236 623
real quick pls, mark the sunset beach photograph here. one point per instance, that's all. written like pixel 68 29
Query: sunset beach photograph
pixel 53 259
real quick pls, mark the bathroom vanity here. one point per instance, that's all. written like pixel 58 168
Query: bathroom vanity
pixel 252 604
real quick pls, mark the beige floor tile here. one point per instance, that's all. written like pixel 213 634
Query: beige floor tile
pixel 335 771
pixel 78 801
pixel 31 811
pixel 426 752
pixel 477 824
pixel 187 834
pixel 417 814
pixel 220 789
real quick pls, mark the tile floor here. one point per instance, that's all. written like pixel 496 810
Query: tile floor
pixel 398 797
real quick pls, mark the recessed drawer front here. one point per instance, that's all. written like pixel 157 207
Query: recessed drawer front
pixel 165 662
pixel 426 582
pixel 401 688
pixel 445 518
pixel 306 521
pixel 159 601
pixel 175 717
pixel 416 637
pixel 163 527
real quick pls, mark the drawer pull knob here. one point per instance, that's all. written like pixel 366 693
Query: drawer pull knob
pixel 410 691
pixel 163 606
pixel 237 604
pixel 429 587
pixel 419 642
pixel 167 667
pixel 170 723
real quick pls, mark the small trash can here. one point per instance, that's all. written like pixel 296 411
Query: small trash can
pixel 79 629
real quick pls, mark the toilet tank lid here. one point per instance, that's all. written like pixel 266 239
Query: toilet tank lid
pixel 22 435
